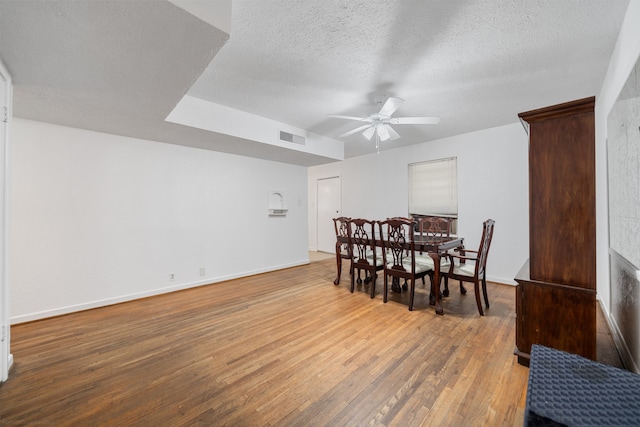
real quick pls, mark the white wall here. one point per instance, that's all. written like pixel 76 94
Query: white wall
pixel 492 183
pixel 623 59
pixel 99 218
pixel 621 310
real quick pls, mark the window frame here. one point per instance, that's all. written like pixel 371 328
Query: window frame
pixel 447 204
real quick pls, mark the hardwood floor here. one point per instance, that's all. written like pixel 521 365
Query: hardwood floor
pixel 286 348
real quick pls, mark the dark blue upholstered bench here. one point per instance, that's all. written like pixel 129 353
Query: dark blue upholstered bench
pixel 569 390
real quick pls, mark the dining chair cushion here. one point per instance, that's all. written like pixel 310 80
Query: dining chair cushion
pixel 420 268
pixel 379 259
pixel 425 260
pixel 467 269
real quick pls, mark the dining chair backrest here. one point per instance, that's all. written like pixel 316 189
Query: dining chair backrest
pixel 435 227
pixel 362 241
pixel 398 240
pixel 365 255
pixel 485 243
pixel 340 225
pixel 343 250
pixel 408 218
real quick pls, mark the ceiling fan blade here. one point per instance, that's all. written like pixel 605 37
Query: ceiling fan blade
pixel 415 120
pixel 391 105
pixel 356 130
pixel 360 119
pixel 392 133
pixel 369 132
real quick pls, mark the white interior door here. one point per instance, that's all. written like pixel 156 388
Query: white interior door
pixel 5 114
pixel 328 206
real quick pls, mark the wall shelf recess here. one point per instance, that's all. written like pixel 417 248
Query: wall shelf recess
pixel 276 204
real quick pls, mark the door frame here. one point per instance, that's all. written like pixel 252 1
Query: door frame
pixel 6 358
pixel 324 178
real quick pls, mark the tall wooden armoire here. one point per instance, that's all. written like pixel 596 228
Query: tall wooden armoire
pixel 556 292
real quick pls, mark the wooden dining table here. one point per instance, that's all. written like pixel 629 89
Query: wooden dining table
pixel 436 247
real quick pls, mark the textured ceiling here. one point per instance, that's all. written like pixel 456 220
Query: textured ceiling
pixel 121 66
pixel 476 64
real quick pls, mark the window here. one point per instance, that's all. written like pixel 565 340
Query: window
pixel 433 188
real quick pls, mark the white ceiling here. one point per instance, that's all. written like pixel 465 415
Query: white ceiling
pixel 122 66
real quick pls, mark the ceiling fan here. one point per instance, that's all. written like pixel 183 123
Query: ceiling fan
pixel 379 123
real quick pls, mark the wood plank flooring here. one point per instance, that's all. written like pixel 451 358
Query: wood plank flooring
pixel 286 348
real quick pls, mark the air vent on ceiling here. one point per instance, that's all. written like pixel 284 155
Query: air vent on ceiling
pixel 289 137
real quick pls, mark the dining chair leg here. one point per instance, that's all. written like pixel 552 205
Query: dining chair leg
pixel 384 293
pixel 463 290
pixel 484 291
pixel 374 276
pixel 476 285
pixel 353 278
pixel 339 266
pixel 446 285
pixel 412 293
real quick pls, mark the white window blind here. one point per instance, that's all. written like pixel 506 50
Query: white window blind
pixel 433 187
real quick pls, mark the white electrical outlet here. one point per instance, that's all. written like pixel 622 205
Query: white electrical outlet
pixel 172 276
pixel 202 271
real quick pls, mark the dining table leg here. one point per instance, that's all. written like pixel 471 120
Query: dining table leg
pixel 435 283
pixel 338 264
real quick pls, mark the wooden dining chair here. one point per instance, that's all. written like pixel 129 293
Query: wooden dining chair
pixel 476 270
pixel 343 250
pixel 365 255
pixel 399 255
pixel 438 229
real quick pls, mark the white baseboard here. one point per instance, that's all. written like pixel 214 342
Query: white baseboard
pixel 5 375
pixel 620 343
pixel 130 297
pixel 501 280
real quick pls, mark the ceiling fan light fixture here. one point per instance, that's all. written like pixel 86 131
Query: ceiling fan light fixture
pixel 383 132
pixel 368 133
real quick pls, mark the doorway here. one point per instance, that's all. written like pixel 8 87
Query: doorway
pixel 328 206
